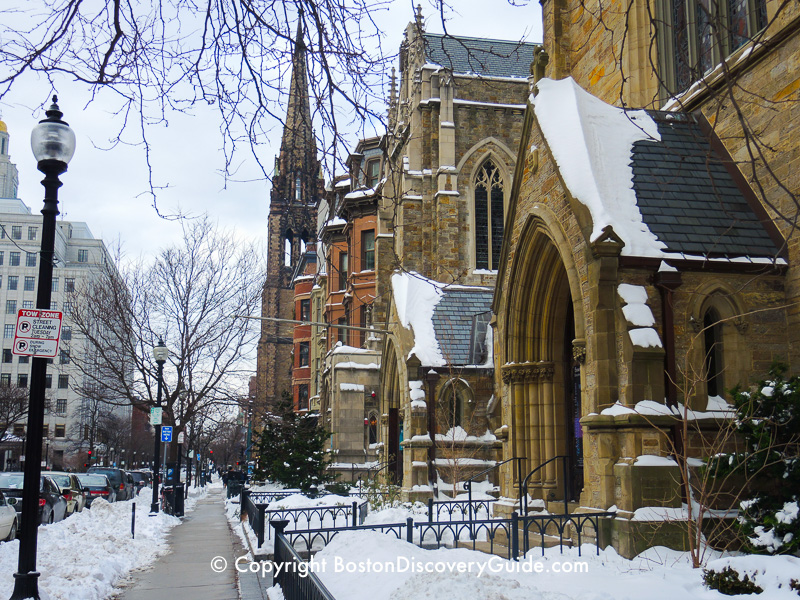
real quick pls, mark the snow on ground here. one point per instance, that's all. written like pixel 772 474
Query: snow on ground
pixel 397 570
pixel 82 557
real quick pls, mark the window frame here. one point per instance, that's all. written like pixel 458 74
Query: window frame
pixel 368 250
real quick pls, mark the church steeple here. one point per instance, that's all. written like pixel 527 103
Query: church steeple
pixel 296 190
pixel 297 162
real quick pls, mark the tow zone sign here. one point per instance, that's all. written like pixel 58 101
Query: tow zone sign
pixel 38 333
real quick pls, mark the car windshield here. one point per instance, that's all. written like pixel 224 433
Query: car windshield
pixel 93 480
pixel 137 476
pixel 11 481
pixel 61 480
pixel 110 473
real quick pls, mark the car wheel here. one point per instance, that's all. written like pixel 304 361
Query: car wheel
pixel 13 533
pixel 52 518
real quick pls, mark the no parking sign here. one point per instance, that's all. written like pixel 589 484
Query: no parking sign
pixel 38 333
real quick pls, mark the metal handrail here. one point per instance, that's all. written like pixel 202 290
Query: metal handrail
pixel 468 482
pixel 567 484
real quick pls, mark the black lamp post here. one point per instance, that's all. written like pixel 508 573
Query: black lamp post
pixel 53 144
pixel 160 354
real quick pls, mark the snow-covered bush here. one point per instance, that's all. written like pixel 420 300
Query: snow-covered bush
pixel 768 420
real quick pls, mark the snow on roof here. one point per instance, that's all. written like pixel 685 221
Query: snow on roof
pixel 415 297
pixel 592 143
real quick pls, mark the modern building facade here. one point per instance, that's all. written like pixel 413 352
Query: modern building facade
pixel 79 257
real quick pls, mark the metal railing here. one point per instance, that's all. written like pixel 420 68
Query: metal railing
pixel 296 583
pixel 567 483
pixel 427 534
pixel 468 482
pixel 258 516
pixel 467 509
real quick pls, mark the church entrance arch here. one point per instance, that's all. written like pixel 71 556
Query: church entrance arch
pixel 542 372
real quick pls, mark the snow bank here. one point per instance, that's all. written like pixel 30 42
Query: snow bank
pixel 84 556
pixel 397 570
pixel 592 143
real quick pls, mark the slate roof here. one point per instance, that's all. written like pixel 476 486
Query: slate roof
pixel 489 58
pixel 454 320
pixel 687 197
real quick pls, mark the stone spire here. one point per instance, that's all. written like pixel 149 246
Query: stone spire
pixel 298 146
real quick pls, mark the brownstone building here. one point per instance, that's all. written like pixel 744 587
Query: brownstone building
pixel 455 119
pixel 649 262
pixel 296 190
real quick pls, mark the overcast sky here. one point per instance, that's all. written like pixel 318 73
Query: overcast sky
pixel 108 188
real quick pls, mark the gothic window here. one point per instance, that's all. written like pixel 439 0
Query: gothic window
pixel 704 32
pixel 298 188
pixel 489 216
pixel 372 424
pixel 452 404
pixel 287 249
pixel 713 347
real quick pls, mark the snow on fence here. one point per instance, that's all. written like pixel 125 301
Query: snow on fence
pixel 259 514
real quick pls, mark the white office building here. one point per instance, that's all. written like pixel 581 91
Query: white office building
pixel 78 256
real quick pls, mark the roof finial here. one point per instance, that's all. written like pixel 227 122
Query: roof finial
pixel 418 16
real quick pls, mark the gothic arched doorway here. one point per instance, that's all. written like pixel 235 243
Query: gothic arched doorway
pixel 542 376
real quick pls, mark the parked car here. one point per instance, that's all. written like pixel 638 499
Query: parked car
pixel 119 480
pixel 8 520
pixel 71 489
pixel 52 504
pixel 139 480
pixel 97 486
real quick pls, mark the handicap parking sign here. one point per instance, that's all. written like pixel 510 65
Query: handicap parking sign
pixel 166 433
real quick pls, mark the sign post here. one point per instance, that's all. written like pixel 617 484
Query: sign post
pixel 38 333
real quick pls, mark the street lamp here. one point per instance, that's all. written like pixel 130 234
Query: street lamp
pixel 53 144
pixel 160 355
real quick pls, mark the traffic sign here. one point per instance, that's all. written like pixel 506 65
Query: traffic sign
pixel 155 415
pixel 38 333
pixel 166 433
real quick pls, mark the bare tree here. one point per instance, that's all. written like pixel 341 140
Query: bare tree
pixel 186 297
pixel 155 58
pixel 13 406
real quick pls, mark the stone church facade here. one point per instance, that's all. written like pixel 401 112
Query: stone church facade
pixel 297 188
pixel 649 263
pixel 455 117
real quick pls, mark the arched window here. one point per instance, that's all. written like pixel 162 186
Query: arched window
pixel 453 402
pixel 287 249
pixel 373 428
pixel 489 216
pixel 713 347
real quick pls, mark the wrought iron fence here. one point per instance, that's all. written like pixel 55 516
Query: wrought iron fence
pixel 500 536
pixel 296 583
pixel 258 516
pixel 462 509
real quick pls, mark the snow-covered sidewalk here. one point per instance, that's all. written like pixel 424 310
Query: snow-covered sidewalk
pixel 87 554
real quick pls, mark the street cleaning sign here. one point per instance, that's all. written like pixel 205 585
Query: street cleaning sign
pixel 38 333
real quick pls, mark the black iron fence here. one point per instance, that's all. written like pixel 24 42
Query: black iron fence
pixel 258 516
pixel 459 509
pixel 511 538
pixel 297 582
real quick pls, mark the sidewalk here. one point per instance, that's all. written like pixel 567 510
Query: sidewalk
pixel 186 572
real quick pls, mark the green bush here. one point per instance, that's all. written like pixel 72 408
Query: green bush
pixel 768 419
pixel 729 582
pixel 339 488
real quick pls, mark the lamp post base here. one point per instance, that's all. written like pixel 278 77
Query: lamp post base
pixel 154 509
pixel 26 585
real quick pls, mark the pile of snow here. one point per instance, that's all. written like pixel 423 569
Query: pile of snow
pixel 415 297
pixel 638 314
pixel 773 574
pixel 716 408
pixel 397 570
pixel 85 555
pixel 592 143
